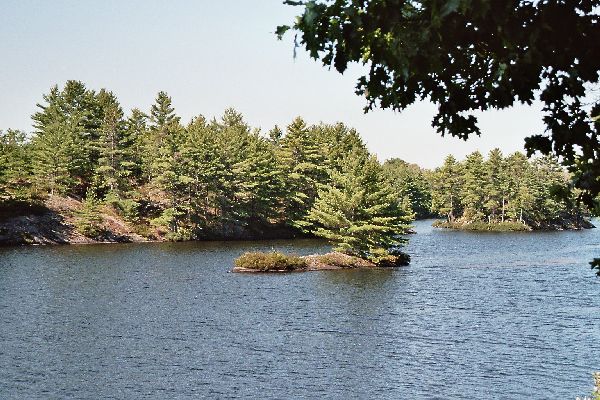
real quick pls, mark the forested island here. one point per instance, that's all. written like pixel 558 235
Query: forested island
pixel 89 172
pixel 498 193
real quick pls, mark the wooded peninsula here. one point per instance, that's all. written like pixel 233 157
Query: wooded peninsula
pixel 89 172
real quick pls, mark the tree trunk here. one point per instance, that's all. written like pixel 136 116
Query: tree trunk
pixel 521 216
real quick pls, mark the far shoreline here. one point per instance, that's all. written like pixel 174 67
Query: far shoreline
pixel 512 226
pixel 53 224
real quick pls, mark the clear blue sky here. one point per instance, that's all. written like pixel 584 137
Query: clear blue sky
pixel 210 55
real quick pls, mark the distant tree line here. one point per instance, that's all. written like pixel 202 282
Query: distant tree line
pixel 537 193
pixel 512 190
pixel 206 178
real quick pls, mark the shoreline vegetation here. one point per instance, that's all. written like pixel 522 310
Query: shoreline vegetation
pixel 57 221
pixel 515 226
pixel 89 173
pixel 504 194
pixel 259 262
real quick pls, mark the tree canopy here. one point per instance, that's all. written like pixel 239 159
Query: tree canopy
pixel 216 178
pixel 472 55
pixel 505 193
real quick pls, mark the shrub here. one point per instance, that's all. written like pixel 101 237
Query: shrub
pixel 341 260
pixel 183 234
pixel 127 208
pixel 273 261
pixel 398 259
pixel 88 220
pixel 143 229
pixel 507 226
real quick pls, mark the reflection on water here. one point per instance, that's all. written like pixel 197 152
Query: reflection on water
pixel 496 315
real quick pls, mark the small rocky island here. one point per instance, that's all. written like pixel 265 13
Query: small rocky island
pixel 257 262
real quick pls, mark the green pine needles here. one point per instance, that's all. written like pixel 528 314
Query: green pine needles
pixel 216 178
pixel 506 193
pixel 222 178
pixel 360 212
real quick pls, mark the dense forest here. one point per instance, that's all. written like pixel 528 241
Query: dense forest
pixel 221 178
pixel 216 178
pixel 497 193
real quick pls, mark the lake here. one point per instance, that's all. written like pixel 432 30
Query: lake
pixel 496 315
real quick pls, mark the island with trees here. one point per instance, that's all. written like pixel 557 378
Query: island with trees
pixel 506 193
pixel 91 173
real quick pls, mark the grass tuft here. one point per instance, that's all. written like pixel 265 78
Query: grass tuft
pixel 273 261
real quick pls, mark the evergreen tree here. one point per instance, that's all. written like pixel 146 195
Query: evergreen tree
pixel 410 184
pixel 520 198
pixel 232 135
pixel 88 220
pixel 164 161
pixel 302 162
pixel 203 164
pixel 132 141
pixel 15 167
pixel 109 177
pixel 359 211
pixel 536 194
pixel 495 186
pixel 55 163
pixel 223 178
pixel 259 181
pixel 473 193
pixel 68 120
pixel 337 141
pixel 275 134
pixel 447 187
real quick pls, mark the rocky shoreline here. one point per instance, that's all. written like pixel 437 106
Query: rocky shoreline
pixel 54 222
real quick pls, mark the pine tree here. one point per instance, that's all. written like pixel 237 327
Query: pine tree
pixel 164 161
pixel 473 194
pixel 67 120
pixel 494 186
pixel 336 141
pixel 447 187
pixel 275 134
pixel 54 161
pixel 410 184
pixel 15 167
pixel 88 220
pixel 132 146
pixel 520 197
pixel 109 172
pixel 163 126
pixel 550 183
pixel 258 181
pixel 359 211
pixel 302 163
pixel 203 164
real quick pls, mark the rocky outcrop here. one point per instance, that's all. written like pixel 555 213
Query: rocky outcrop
pixel 54 222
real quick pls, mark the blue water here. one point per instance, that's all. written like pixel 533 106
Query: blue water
pixel 502 316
